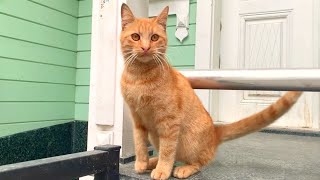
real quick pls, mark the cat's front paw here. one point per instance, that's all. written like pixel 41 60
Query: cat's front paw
pixel 160 174
pixel 140 167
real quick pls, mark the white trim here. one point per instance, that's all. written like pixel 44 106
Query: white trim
pixel 216 33
pixel 316 32
pixel 101 105
pixel 316 56
pixel 105 118
pixel 203 44
pixel 215 54
pixel 203 34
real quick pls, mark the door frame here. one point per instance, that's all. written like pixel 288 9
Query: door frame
pixel 316 56
pixel 208 37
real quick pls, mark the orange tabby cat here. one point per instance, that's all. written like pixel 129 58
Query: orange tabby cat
pixel 165 108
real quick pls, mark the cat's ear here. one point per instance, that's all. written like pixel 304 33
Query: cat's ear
pixel 163 16
pixel 127 16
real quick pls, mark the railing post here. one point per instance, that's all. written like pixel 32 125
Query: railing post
pixel 112 172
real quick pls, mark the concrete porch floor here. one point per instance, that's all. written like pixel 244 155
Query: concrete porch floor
pixel 258 156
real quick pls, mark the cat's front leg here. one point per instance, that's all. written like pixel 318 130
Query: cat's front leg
pixel 140 142
pixel 168 131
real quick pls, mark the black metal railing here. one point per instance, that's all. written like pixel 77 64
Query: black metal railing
pixel 103 163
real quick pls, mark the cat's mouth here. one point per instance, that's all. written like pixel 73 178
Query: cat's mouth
pixel 145 54
pixel 145 58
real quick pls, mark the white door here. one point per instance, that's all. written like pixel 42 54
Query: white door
pixel 268 34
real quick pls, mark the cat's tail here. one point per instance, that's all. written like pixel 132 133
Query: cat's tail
pixel 259 120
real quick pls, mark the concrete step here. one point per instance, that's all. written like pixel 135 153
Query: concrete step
pixel 258 156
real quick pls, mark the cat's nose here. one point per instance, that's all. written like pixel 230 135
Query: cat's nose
pixel 145 49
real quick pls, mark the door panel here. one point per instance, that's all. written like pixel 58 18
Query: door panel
pixel 262 34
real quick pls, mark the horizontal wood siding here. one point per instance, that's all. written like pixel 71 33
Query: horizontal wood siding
pixel 12 69
pixel 83 60
pixel 42 12
pixel 28 51
pixel 70 7
pixel 38 63
pixel 21 29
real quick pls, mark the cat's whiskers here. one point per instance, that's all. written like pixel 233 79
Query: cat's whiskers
pixel 161 53
pixel 158 63
pixel 127 48
pixel 128 52
pixel 162 57
pixel 159 60
pixel 130 59
pixel 127 59
pixel 133 59
pixel 165 48
pixel 160 49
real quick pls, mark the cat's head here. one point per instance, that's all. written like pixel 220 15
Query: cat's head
pixel 143 39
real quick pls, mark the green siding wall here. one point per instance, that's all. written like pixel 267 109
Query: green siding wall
pixel 83 61
pixel 38 63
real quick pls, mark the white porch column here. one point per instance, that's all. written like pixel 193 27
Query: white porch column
pixel 109 122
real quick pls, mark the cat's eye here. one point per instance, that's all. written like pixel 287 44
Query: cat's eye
pixel 155 37
pixel 135 37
